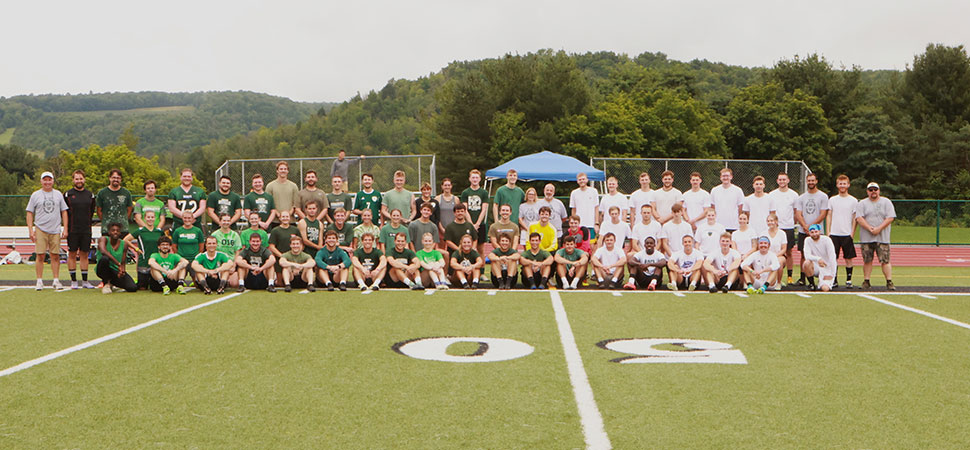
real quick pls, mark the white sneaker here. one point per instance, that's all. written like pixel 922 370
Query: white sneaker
pixel 56 284
pixel 106 289
pixel 87 285
pixel 74 285
pixel 40 284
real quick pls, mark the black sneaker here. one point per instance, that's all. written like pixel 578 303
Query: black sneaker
pixel 287 288
pixel 375 287
pixel 343 287
pixel 474 286
pixel 713 289
pixel 800 282
pixel 724 289
pixel 271 288
pixel 890 286
pixel 241 289
pixel 866 285
pixel 330 287
pixel 311 288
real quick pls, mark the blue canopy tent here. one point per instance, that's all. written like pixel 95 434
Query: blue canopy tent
pixel 546 166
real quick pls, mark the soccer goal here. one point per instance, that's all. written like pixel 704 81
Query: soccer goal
pixel 627 171
pixel 418 169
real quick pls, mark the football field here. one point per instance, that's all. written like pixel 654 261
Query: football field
pixel 484 369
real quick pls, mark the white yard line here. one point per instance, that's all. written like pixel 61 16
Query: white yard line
pixel 802 295
pixel 679 294
pixel 741 294
pixel 617 294
pixel 589 413
pixel 91 343
pixel 491 292
pixel 430 292
pixel 8 288
pixel 928 296
pixel 917 311
pixel 367 292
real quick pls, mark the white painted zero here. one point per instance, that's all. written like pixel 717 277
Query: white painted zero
pixel 710 352
pixel 434 349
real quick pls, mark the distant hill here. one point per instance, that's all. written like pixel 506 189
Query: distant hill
pixel 164 122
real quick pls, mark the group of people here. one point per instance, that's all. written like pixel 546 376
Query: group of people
pixel 309 238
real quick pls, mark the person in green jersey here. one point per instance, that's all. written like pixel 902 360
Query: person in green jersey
pixel 279 240
pixel 536 263
pixel 224 201
pixel 368 199
pixel 255 227
pixel 114 203
pixel 466 263
pixel 229 240
pixel 571 263
pixel 338 199
pixel 150 203
pixel 212 268
pixel 111 267
pixel 403 268
pixel 390 231
pixel 476 199
pixel 186 197
pixel 505 263
pixel 298 267
pixel 366 226
pixel 432 263
pixel 369 263
pixel 458 229
pixel 254 266
pixel 333 262
pixel 509 194
pixel 398 198
pixel 188 239
pixel 147 239
pixel 167 269
pixel 260 202
pixel 311 230
pixel 345 231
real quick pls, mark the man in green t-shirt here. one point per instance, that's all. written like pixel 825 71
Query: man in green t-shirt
pixel 458 229
pixel 298 267
pixel 368 199
pixel 147 238
pixel 311 229
pixel 509 194
pixel 188 239
pixel 571 263
pixel 260 202
pixel 212 268
pixel 186 198
pixel 466 263
pixel 392 229
pixel 338 199
pixel 333 263
pixel 477 200
pixel 279 240
pixel 505 263
pixel 399 199
pixel 254 228
pixel 369 264
pixel 167 269
pixel 150 203
pixel 114 203
pixel 224 201
pixel 345 231
pixel 536 263
pixel 403 267
pixel 254 266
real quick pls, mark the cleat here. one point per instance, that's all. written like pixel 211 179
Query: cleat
pixel 74 285
pixel 330 288
pixel 652 287
pixel 751 290
pixel 87 285
pixel 790 280
pixel 363 287
pixel 713 289
pixel 166 290
pixel 801 282
pixel 414 287
pixel 866 285
pixel 180 290
pixel 443 287
pixel 220 291
pixel 474 286
pixel 848 285
pixel 776 287
pixel 311 288
pixel 761 290
pixel 672 286
pixel 271 288
pixel 724 289
pixel 241 289
pixel 343 287
pixel 692 287
pixel 287 288
pixel 106 290
pixel 890 286
pixel 630 286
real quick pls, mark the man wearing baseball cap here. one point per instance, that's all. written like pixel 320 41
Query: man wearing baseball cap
pixel 46 215
pixel 875 215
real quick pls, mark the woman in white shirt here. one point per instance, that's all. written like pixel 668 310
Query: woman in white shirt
pixel 744 239
pixel 528 214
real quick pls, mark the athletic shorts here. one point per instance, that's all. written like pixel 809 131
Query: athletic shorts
pixel 155 286
pixel 212 282
pixel 483 232
pixel 643 280
pixel 881 250
pixel 801 242
pixel 298 283
pixel 822 272
pixel 79 241
pixel 790 234
pixel 844 245
pixel 721 282
pixel 256 281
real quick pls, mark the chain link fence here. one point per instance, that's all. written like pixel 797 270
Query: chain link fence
pixel 627 172
pixel 419 169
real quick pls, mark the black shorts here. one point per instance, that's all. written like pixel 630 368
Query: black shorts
pixel 298 282
pixel 79 241
pixel 155 286
pixel 845 245
pixel 212 282
pixel 256 281
pixel 801 243
pixel 790 234
pixel 643 280
pixel 721 282
pixel 483 232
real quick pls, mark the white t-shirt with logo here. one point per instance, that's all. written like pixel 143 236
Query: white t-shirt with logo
pixel 709 237
pixel 688 262
pixel 643 258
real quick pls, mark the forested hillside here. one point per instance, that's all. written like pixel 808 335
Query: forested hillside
pixel 907 130
pixel 165 123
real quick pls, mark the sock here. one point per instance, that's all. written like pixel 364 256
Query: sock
pixel 242 282
pixel 505 274
pixel 848 273
pixel 811 281
pixel 575 282
pixel 543 281
pixel 417 280
pixel 630 280
pixel 564 282
pixel 790 272
pixel 889 281
pixel 84 275
pixel 599 280
pixel 73 275
pixel 331 284
pixel 464 282
pixel 343 283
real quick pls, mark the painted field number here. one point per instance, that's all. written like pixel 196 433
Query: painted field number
pixel 689 351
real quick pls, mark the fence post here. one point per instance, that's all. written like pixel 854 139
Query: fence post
pixel 242 188
pixel 938 222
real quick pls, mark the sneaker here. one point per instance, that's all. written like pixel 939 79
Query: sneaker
pixel 241 289
pixel 761 290
pixel 414 287
pixel 776 287
pixel 443 287
pixel 311 288
pixel 363 287
pixel 652 287
pixel 74 285
pixel 86 285
pixel 713 289
pixel 890 286
pixel 330 287
pixel 375 287
pixel 286 288
pixel 221 290
pixel 866 285
pixel 848 284
pixel 801 282
pixel 672 286
pixel 269 288
pixel 40 284
pixel 166 290
pixel 692 287
pixel 180 290
pixel 724 289
pixel 751 290
pixel 630 286
pixel 790 280
pixel 106 289
pixel 474 286
pixel 56 284
pixel 343 287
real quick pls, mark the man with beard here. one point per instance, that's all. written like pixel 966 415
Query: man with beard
pixel 186 197
pixel 114 203
pixel 260 202
pixel 224 202
pixel 811 208
pixel 80 204
pixel 310 194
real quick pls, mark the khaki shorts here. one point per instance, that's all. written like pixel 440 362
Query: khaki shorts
pixel 48 242
pixel 880 249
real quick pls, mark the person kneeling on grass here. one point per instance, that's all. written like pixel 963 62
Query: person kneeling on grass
pixel 212 268
pixel 820 259
pixel 571 263
pixel 760 268
pixel 333 264
pixel 111 267
pixel 254 266
pixel 466 263
pixel 432 263
pixel 403 267
pixel 684 266
pixel 167 269
pixel 298 267
pixel 646 266
pixel 608 261
pixel 536 261
pixel 721 267
pixel 505 263
pixel 370 266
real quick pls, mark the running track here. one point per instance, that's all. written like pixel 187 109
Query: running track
pixel 926 256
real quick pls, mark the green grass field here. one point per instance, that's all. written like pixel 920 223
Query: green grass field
pixel 319 371
pixel 6 136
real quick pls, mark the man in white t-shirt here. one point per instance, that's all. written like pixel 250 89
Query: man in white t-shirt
pixel 646 266
pixel 708 234
pixel 810 208
pixel 666 197
pixel 558 212
pixel 760 268
pixel 610 199
pixel 721 267
pixel 758 206
pixel 820 259
pixel 696 200
pixel 783 205
pixel 583 202
pixel 684 267
pixel 642 196
pixel 646 227
pixel 621 230
pixel 842 226
pixel 728 200
pixel 674 231
pixel 608 262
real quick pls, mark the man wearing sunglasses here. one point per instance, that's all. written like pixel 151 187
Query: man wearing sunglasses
pixel 875 215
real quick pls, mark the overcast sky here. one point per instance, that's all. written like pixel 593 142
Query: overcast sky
pixel 329 51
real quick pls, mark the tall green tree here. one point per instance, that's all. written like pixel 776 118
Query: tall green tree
pixel 839 92
pixel 937 86
pixel 868 151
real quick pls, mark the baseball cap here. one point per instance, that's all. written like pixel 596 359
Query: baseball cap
pixel 815 226
pixel 872 185
pixel 46 174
